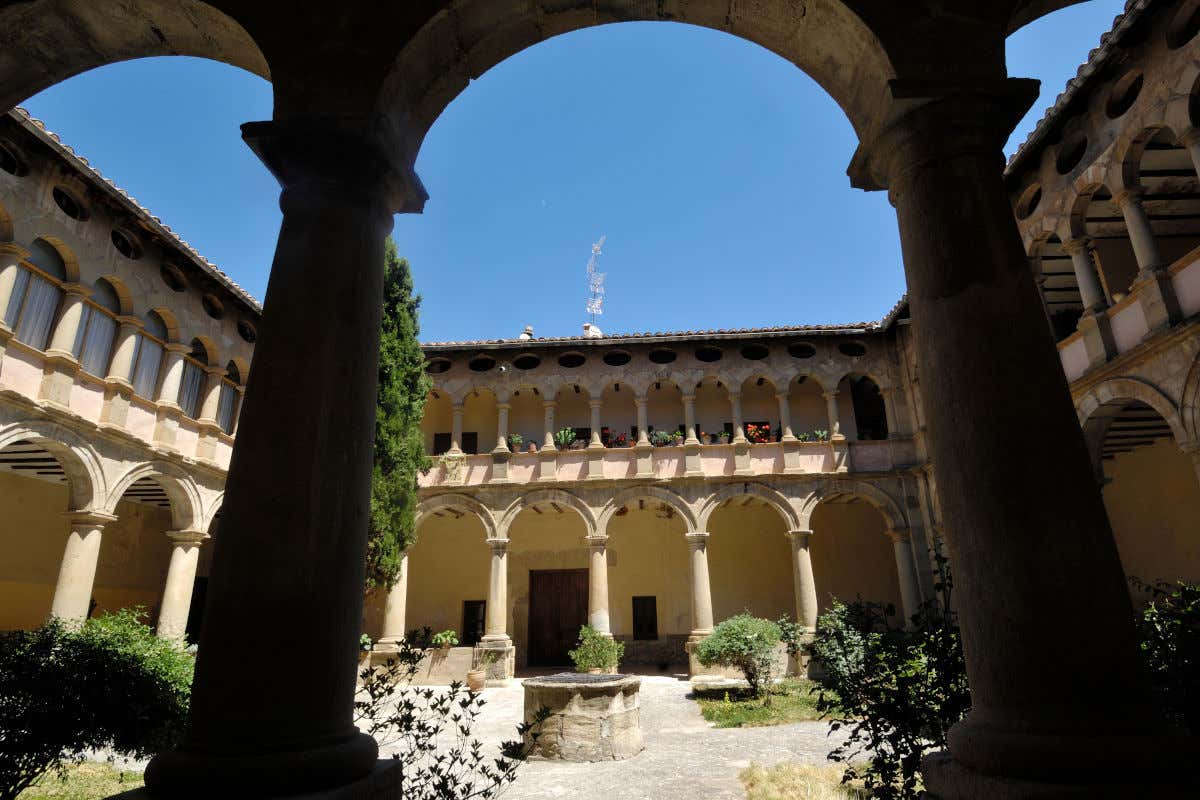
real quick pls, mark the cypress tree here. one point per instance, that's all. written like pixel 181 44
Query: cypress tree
pixel 399 444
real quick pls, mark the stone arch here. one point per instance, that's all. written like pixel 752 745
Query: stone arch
pixel 1106 399
pixel 169 320
pixel 212 354
pixel 70 262
pixel 434 504
pixel 626 496
pixel 469 39
pixel 772 498
pixel 86 484
pixel 1189 406
pixel 119 287
pixel 1131 157
pixel 186 504
pixel 243 367
pixel 214 508
pixel 1077 217
pixel 877 497
pixel 181 27
pixel 547 496
pixel 6 225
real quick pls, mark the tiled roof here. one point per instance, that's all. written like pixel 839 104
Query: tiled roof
pixel 38 129
pixel 1096 59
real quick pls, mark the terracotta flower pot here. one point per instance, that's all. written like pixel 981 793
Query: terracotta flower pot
pixel 476 679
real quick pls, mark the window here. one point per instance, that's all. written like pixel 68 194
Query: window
pixel 31 308
pixel 470 443
pixel 441 443
pixel 192 386
pixel 97 330
pixel 147 357
pixel 583 434
pixel 227 402
pixel 474 614
pixel 645 618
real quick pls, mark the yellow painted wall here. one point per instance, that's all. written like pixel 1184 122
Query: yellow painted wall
pixel 807 407
pixel 852 556
pixel 749 562
pixel 134 552
pixel 438 418
pixel 664 407
pixel 550 540
pixel 480 417
pixel 573 410
pixel 648 556
pixel 527 417
pixel 448 564
pixel 619 412
pixel 759 403
pixel 1153 503
pixel 712 408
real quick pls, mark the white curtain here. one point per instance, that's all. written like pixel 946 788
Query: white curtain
pixel 147 360
pixel 37 314
pixel 94 341
pixel 190 388
pixel 16 298
pixel 225 407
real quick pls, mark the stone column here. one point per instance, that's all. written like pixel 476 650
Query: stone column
pixel 496 616
pixel 735 410
pixel 297 499
pixel 456 428
pixel 702 615
pixel 1042 662
pixel 831 411
pixel 1085 273
pixel 168 412
pixel 785 417
pixel 594 405
pixel 1141 234
pixel 598 584
pixel 11 256
pixel 804 582
pixel 502 426
pixel 394 609
pixel 689 419
pixel 906 572
pixel 61 365
pixel 212 395
pixel 77 572
pixel 117 387
pixel 643 436
pixel 548 456
pixel 1155 294
pixel 548 424
pixel 181 579
pixel 1191 140
pixel 643 450
pixel 889 411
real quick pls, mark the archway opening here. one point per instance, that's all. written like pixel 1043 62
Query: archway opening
pixel 447 575
pixel 135 551
pixel 713 411
pixel 619 423
pixel 1060 289
pixel 870 409
pixel 649 589
pixel 438 422
pixel 1104 224
pixel 526 418
pixel 749 560
pixel 1171 194
pixel 480 421
pixel 852 557
pixel 806 407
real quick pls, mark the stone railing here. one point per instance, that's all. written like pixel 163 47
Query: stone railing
pixel 668 463
pixel 1126 321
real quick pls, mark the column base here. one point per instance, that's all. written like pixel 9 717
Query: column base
pixel 385 780
pixel 502 671
pixel 947 779
pixel 346 768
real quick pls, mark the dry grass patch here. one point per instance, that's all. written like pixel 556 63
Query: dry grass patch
pixel 789 781
pixel 86 781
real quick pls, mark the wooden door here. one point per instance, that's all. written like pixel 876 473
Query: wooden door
pixel 558 601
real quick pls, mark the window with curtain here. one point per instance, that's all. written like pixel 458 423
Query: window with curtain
pixel 191 387
pixel 97 329
pixel 226 405
pixel 32 308
pixel 148 357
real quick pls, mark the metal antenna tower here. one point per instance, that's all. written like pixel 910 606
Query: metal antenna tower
pixel 595 282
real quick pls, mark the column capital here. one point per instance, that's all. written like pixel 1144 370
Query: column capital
pixel 499 546
pixel 219 371
pixel 689 397
pixel 595 403
pixel 899 534
pixel 640 399
pixel 596 542
pixel 127 321
pixel 88 517
pixel 13 249
pixel 783 394
pixel 177 347
pixel 188 537
pixel 829 394
pixel 504 406
pixel 77 289
pixel 696 539
pixel 1080 244
pixel 1190 137
pixel 332 155
pixel 734 395
pixel 549 403
pixel 800 535
pixel 1129 196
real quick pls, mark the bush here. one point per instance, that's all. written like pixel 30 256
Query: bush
pixel 594 650
pixel 1169 628
pixel 746 643
pixel 113 684
pixel 897 691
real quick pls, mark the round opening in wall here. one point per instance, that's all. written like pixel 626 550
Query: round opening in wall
pixel 708 354
pixel 801 350
pixel 436 366
pixel 755 352
pixel 572 360
pixel 125 243
pixel 172 276
pixel 68 204
pixel 617 358
pixel 9 161
pixel 1184 25
pixel 662 356
pixel 212 306
pixel 1070 153
pixel 481 363
pixel 526 361
pixel 852 349
pixel 1124 92
pixel 1028 202
pixel 247 331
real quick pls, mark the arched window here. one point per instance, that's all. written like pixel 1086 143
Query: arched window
pixel 870 411
pixel 148 355
pixel 192 385
pixel 97 329
pixel 36 295
pixel 227 405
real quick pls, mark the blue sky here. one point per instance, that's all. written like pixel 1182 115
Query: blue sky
pixel 715 168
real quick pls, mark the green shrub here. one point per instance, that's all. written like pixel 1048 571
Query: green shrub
pixel 594 650
pixel 745 643
pixel 113 684
pixel 445 638
pixel 1169 626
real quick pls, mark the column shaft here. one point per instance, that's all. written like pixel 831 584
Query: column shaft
pixel 396 606
pixel 735 409
pixel 549 406
pixel 831 411
pixel 1141 234
pixel 598 584
pixel 181 579
pixel 67 326
pixel 212 394
pixel 1085 274
pixel 906 572
pixel 785 417
pixel 643 436
pixel 502 426
pixel 689 419
pixel 496 613
pixel 702 615
pixel 805 583
pixel 456 428
pixel 594 406
pixel 77 572
pixel 121 366
pixel 168 391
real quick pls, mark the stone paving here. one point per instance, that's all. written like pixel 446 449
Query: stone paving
pixel 684 758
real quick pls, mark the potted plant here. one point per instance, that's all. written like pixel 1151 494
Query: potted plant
pixel 660 438
pixel 578 444
pixel 676 438
pixel 444 639
pixel 820 436
pixel 596 653
pixel 723 437
pixel 477 675
pixel 620 440
pixel 803 437
pixel 532 447
pixel 515 440
pixel 364 650
pixel 564 437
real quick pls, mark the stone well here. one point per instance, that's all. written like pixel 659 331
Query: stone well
pixel 592 717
